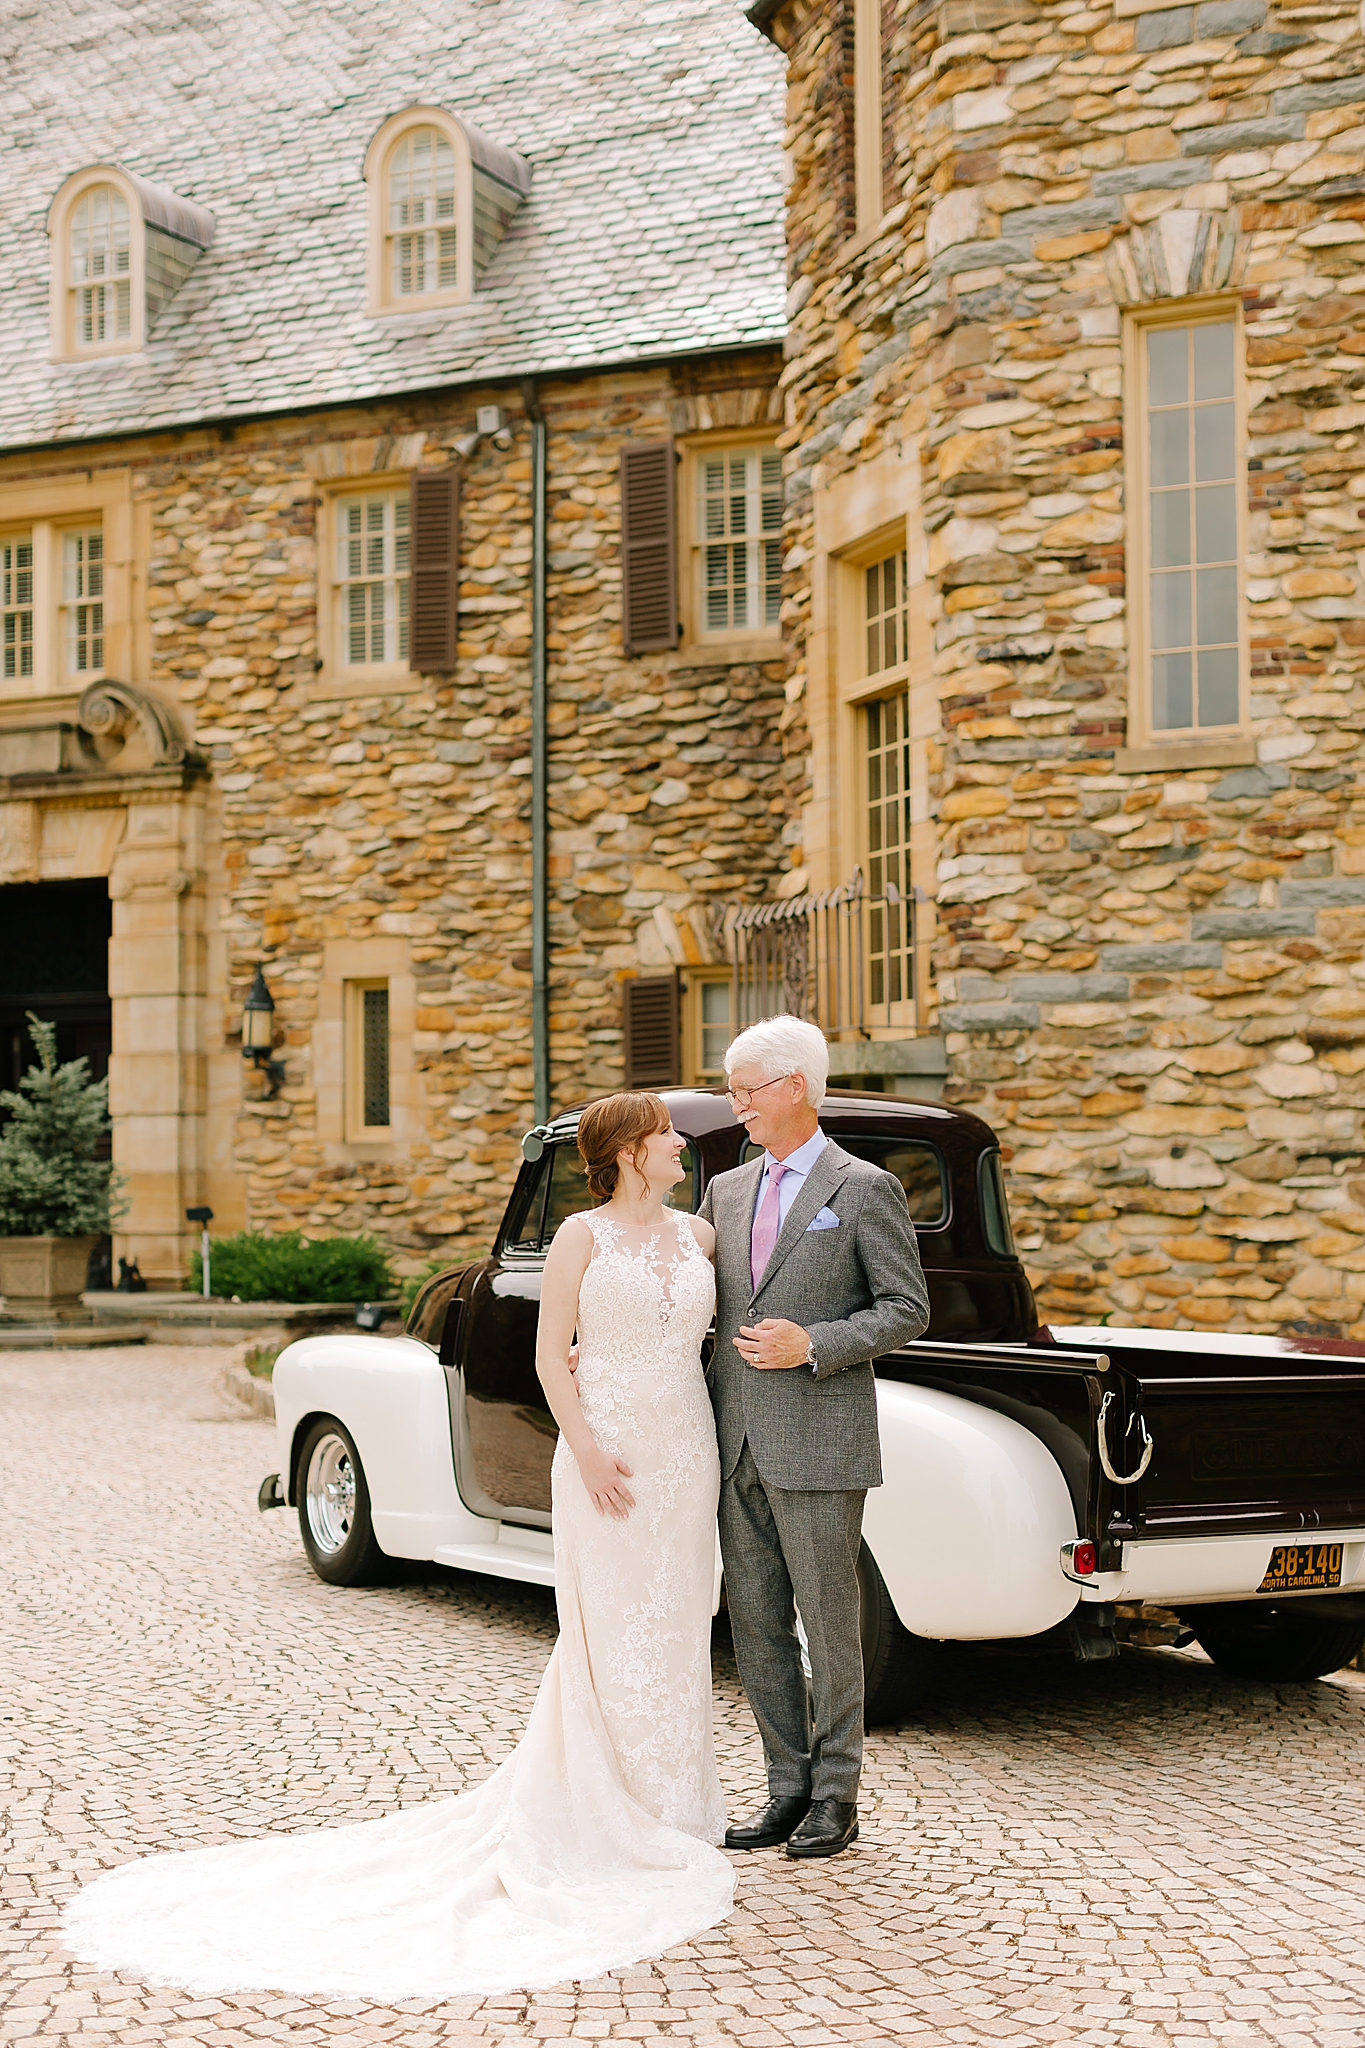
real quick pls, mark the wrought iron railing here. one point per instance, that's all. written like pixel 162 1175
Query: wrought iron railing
pixel 846 960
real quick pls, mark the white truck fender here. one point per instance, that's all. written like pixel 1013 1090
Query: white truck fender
pixel 968 1524
pixel 390 1392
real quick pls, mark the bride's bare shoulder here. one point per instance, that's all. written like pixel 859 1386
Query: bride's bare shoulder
pixel 704 1234
pixel 571 1245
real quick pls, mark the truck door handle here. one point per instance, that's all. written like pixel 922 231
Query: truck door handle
pixel 1106 1462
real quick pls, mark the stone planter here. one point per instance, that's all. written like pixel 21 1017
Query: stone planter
pixel 43 1276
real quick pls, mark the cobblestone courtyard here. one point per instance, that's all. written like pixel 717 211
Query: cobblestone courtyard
pixel 1113 1854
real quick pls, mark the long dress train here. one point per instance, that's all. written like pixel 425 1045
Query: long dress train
pixel 591 1846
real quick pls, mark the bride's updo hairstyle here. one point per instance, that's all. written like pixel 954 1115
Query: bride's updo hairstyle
pixel 610 1126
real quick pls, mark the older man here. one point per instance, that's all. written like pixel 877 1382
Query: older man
pixel 817 1273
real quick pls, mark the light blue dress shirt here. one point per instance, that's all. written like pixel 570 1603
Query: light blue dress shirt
pixel 798 1165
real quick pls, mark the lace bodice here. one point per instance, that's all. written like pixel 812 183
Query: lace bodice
pixel 642 1314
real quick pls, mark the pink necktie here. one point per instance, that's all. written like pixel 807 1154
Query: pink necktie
pixel 767 1223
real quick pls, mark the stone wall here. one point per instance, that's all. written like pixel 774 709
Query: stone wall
pixel 402 816
pixel 1151 966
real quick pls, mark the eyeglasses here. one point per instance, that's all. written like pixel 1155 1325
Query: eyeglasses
pixel 740 1098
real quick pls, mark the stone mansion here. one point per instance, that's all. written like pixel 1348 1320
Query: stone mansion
pixel 456 564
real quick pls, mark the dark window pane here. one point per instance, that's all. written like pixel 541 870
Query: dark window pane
pixel 995 1215
pixel 568 1189
pixel 917 1166
pixel 375 1003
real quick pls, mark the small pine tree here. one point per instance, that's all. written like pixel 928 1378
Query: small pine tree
pixel 51 1183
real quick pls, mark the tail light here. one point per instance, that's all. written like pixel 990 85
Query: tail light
pixel 1080 1560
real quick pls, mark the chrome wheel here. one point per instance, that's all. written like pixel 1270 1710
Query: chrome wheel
pixel 329 1493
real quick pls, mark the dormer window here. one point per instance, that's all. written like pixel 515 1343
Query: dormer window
pixel 422 232
pixel 121 248
pixel 101 260
pixel 441 196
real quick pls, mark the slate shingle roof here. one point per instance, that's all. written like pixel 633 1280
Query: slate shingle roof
pixel 653 227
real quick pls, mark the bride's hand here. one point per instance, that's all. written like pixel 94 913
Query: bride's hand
pixel 602 1475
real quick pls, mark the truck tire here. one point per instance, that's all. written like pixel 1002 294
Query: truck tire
pixel 1273 1643
pixel 898 1669
pixel 334 1508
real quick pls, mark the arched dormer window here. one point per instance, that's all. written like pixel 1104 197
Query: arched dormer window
pixel 441 196
pixel 121 247
pixel 101 282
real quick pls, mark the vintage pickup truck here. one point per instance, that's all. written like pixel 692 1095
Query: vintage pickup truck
pixel 1047 1490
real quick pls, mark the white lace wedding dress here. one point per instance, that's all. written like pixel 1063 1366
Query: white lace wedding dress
pixel 592 1846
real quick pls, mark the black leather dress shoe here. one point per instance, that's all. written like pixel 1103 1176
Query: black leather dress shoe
pixel 773 1825
pixel 829 1827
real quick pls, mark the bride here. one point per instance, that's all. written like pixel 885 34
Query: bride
pixel 593 1845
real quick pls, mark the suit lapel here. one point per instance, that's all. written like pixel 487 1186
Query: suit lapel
pixel 737 1230
pixel 819 1184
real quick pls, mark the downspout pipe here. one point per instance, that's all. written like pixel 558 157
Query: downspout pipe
pixel 540 764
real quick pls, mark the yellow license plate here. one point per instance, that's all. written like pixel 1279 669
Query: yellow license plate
pixel 1300 1567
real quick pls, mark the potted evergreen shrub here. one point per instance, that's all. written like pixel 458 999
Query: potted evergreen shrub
pixel 56 1195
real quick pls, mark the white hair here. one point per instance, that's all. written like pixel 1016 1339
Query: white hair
pixel 784 1045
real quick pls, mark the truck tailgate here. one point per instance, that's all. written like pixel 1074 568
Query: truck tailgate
pixel 1248 1435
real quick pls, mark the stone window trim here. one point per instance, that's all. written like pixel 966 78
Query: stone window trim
pixel 149 239
pixel 45 519
pixel 860 682
pixel 337 676
pixel 480 182
pixel 349 968
pixel 756 643
pixel 1163 747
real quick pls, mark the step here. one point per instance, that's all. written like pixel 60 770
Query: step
pixel 518 1556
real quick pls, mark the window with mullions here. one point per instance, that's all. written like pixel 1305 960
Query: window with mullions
pixel 1194 485
pixel 372 578
pixel 83 600
pixel 890 932
pixel 101 267
pixel 886 602
pixel 16 605
pixel 740 525
pixel 422 235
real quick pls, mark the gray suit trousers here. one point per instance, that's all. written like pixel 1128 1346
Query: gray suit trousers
pixel 785 1549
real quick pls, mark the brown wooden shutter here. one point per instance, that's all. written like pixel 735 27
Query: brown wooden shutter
pixel 649 549
pixel 434 571
pixel 653 1049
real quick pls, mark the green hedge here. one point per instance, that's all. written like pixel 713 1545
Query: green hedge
pixel 257 1265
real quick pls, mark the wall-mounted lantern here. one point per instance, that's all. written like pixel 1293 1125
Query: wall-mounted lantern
pixel 258 1033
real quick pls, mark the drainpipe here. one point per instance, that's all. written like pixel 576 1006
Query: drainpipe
pixel 540 767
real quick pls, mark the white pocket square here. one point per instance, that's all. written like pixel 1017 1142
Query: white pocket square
pixel 825 1220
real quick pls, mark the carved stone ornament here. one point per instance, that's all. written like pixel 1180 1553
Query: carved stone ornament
pixel 122 720
pixel 1182 254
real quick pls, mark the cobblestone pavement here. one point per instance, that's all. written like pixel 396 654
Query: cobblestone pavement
pixel 1122 1854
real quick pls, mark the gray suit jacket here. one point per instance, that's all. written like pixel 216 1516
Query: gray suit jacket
pixel 859 1290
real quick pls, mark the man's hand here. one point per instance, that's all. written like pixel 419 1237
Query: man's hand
pixel 774 1345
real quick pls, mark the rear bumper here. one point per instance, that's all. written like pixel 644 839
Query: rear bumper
pixel 1183 1572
